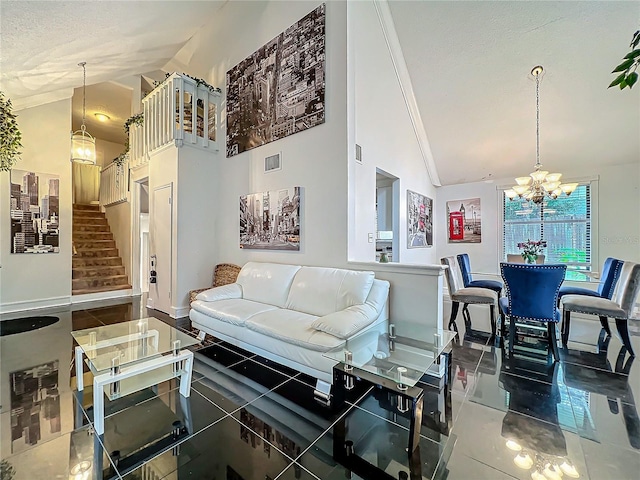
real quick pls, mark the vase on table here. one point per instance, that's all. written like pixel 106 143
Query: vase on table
pixel 530 258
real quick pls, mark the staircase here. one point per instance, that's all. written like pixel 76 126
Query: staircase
pixel 96 264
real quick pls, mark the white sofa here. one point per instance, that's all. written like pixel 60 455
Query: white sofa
pixel 292 314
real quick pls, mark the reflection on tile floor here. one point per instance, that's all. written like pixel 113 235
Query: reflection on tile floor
pixel 498 417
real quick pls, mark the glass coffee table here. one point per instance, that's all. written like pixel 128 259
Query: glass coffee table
pixel 394 360
pixel 130 356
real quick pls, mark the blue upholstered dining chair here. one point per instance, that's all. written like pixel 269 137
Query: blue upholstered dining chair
pixel 619 307
pixel 468 281
pixel 608 280
pixel 532 296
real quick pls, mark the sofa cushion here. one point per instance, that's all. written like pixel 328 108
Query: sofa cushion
pixel 266 282
pixel 592 305
pixel 225 292
pixel 321 291
pixel 351 320
pixel 234 311
pixel 292 327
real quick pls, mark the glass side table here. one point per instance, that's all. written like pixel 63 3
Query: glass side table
pixel 394 360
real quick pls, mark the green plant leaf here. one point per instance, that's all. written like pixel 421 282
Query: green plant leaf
pixel 633 54
pixel 623 84
pixel 623 66
pixel 631 79
pixel 618 79
pixel 635 40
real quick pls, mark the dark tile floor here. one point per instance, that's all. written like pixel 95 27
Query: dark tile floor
pixel 579 413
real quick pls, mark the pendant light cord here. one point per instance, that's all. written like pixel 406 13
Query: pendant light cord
pixel 538 121
pixel 84 93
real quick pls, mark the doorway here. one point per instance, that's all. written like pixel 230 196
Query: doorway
pixel 160 231
pixel 387 217
pixel 139 233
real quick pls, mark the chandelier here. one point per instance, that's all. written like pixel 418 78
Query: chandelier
pixel 540 184
pixel 83 145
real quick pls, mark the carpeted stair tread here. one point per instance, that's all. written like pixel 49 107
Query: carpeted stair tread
pixel 84 291
pixel 97 271
pixel 80 206
pixel 97 266
pixel 79 262
pixel 105 281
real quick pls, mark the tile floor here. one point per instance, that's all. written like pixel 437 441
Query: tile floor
pixel 580 411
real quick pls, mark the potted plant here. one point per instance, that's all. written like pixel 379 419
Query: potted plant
pixel 629 65
pixel 137 119
pixel 10 136
pixel 531 249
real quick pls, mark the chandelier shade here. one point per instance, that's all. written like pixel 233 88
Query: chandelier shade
pixel 83 145
pixel 540 184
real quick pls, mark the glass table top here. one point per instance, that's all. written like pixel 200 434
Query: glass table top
pixel 130 342
pixel 403 354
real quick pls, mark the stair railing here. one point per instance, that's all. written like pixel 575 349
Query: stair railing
pixel 114 184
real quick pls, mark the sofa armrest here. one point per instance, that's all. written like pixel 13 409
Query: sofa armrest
pixel 194 293
pixel 347 322
pixel 233 290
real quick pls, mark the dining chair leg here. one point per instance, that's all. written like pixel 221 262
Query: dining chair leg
pixel 454 313
pixel 564 328
pixel 492 312
pixel 553 341
pixel 466 315
pixel 604 321
pixel 512 333
pixel 623 330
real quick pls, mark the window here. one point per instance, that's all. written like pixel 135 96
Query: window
pixel 565 224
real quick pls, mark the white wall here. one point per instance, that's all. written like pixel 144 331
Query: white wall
pixel 618 219
pixel 484 255
pixel 383 128
pixel 314 159
pixel 615 217
pixel 106 151
pixel 28 280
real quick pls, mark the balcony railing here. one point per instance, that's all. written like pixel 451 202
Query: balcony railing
pixel 182 112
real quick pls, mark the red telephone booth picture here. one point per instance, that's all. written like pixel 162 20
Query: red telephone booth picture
pixel 456 226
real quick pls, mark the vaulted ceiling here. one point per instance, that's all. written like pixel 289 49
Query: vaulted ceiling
pixel 469 64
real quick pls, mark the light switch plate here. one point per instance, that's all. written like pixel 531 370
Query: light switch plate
pixel 371 238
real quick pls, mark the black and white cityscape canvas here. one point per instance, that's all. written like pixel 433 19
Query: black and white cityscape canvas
pixel 419 220
pixel 35 406
pixel 34 211
pixel 279 89
pixel 271 220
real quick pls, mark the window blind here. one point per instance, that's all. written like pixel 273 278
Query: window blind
pixel 565 224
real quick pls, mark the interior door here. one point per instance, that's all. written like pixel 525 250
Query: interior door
pixel 161 228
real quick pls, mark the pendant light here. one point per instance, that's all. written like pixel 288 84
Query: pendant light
pixel 83 145
pixel 539 184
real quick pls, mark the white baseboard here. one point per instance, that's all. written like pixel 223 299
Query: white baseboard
pixel 89 297
pixel 179 312
pixel 35 304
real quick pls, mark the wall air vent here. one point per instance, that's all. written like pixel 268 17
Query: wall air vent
pixel 273 163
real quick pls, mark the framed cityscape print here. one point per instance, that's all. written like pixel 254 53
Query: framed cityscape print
pixel 419 220
pixel 279 89
pixel 271 220
pixel 464 221
pixel 34 212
